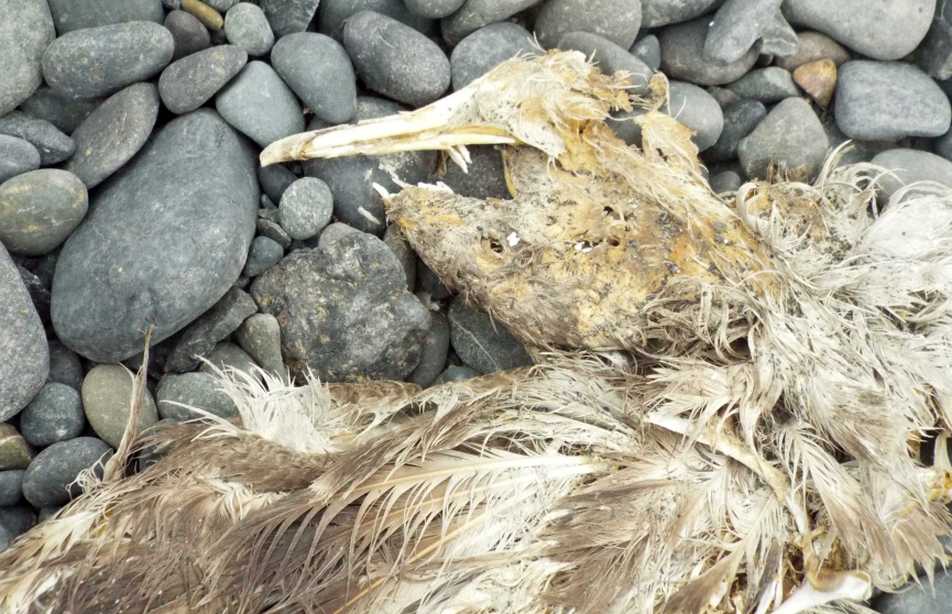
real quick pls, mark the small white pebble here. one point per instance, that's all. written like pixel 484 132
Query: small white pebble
pixel 513 239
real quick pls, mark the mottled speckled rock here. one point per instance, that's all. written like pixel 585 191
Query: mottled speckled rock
pixel 696 109
pixel 317 68
pixel 260 336
pixel 186 203
pixel 187 84
pixel 11 486
pixel 16 157
pixel 306 208
pixel 333 14
pixel 682 56
pixel 610 58
pixel 107 397
pixel 201 336
pixel 481 343
pixel 485 48
pixel 616 20
pixel 65 365
pixel 69 15
pixel 395 60
pixel 98 61
pixel 114 132
pixel 771 84
pixel 39 209
pixel 740 119
pixel 288 16
pixel 478 13
pixel 47 478
pixel 53 145
pixel 434 9
pixel 791 137
pixel 199 390
pixel 736 27
pixel 889 101
pixel 247 27
pixel 26 28
pixel 66 114
pixel 879 29
pixel 55 414
pixel 15 453
pixel 188 33
pixel 265 252
pixel 655 13
pixel 911 165
pixel 344 310
pixel 259 104
pixel 436 345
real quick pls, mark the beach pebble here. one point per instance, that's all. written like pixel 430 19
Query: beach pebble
pixel 306 208
pixel 935 53
pixel 791 138
pixel 610 58
pixel 53 145
pixel 475 14
pixel 15 452
pixel 879 29
pixel 247 27
pixel 55 414
pixel 188 33
pixel 113 133
pixel 265 252
pixel 11 486
pixel 64 113
pixel 39 209
pixel 814 46
pixel 736 27
pixel 740 119
pixel 481 343
pixel 616 20
pixel 333 14
pixel 202 335
pixel 485 49
pixel 163 242
pixel 696 109
pixel 682 56
pixel 287 16
pixel 889 101
pixel 107 398
pixel 17 519
pixel 47 480
pixel 434 9
pixel 16 157
pixel 656 13
pixel 345 310
pixel 98 61
pixel 65 365
pixel 69 15
pixel 271 229
pixel 909 166
pixel 187 84
pixel 319 71
pixel 227 356
pixel 397 243
pixel 26 29
pixel 818 80
pixel 260 336
pixel 456 373
pixel 768 85
pixel 648 50
pixel 778 38
pixel 274 180
pixel 198 390
pixel 395 60
pixel 259 104
pixel 726 181
pixel 436 345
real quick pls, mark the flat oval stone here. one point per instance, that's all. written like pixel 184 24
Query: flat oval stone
pixel 395 60
pixel 610 58
pixel 656 13
pixel 107 398
pixel 481 343
pixel 434 9
pixel 185 204
pixel 16 157
pixel 478 13
pixel 485 49
pixel 791 138
pixel 69 15
pixel 53 145
pixel 98 61
pixel 55 414
pixel 47 479
pixel 697 110
pixel 189 83
pixel 114 132
pixel 909 166
pixel 259 104
pixel 189 33
pixel 247 27
pixel 319 71
pixel 682 56
pixel 879 29
pixel 199 390
pixel 616 20
pixel 888 101
pixel 26 28
pixel 65 113
pixel 39 209
pixel 333 14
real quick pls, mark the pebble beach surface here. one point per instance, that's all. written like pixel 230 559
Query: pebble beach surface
pixel 131 195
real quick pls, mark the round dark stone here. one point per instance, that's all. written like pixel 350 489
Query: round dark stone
pixel 16 520
pixel 485 49
pixel 436 345
pixel 188 33
pixel 274 180
pixel 616 20
pixel 791 137
pixel 264 254
pixel 187 84
pixel 65 366
pixel 39 209
pixel 259 104
pixel 740 119
pixel 16 157
pixel 49 475
pixel 98 61
pixel 481 343
pixel 26 28
pixel 11 485
pixel 317 68
pixel 648 50
pixel 55 414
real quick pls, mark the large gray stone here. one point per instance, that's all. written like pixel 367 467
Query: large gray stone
pixel 889 101
pixel 53 145
pixel 16 157
pixel 22 336
pixel 478 13
pixel 198 390
pixel 201 336
pixel 616 20
pixel 481 343
pixel 98 61
pixel 736 27
pixel 113 133
pixel 317 68
pixel 47 479
pixel 189 83
pixel 879 29
pixel 395 60
pixel 164 241
pixel 287 16
pixel 333 14
pixel 259 104
pixel 791 138
pixel 107 395
pixel 39 209
pixel 683 57
pixel 26 28
pixel 69 15
pixel 344 310
pixel 486 48
pixel 656 13
pixel 909 166
pixel 610 58
pixel 55 414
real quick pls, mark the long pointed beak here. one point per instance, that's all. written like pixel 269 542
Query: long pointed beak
pixel 448 124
